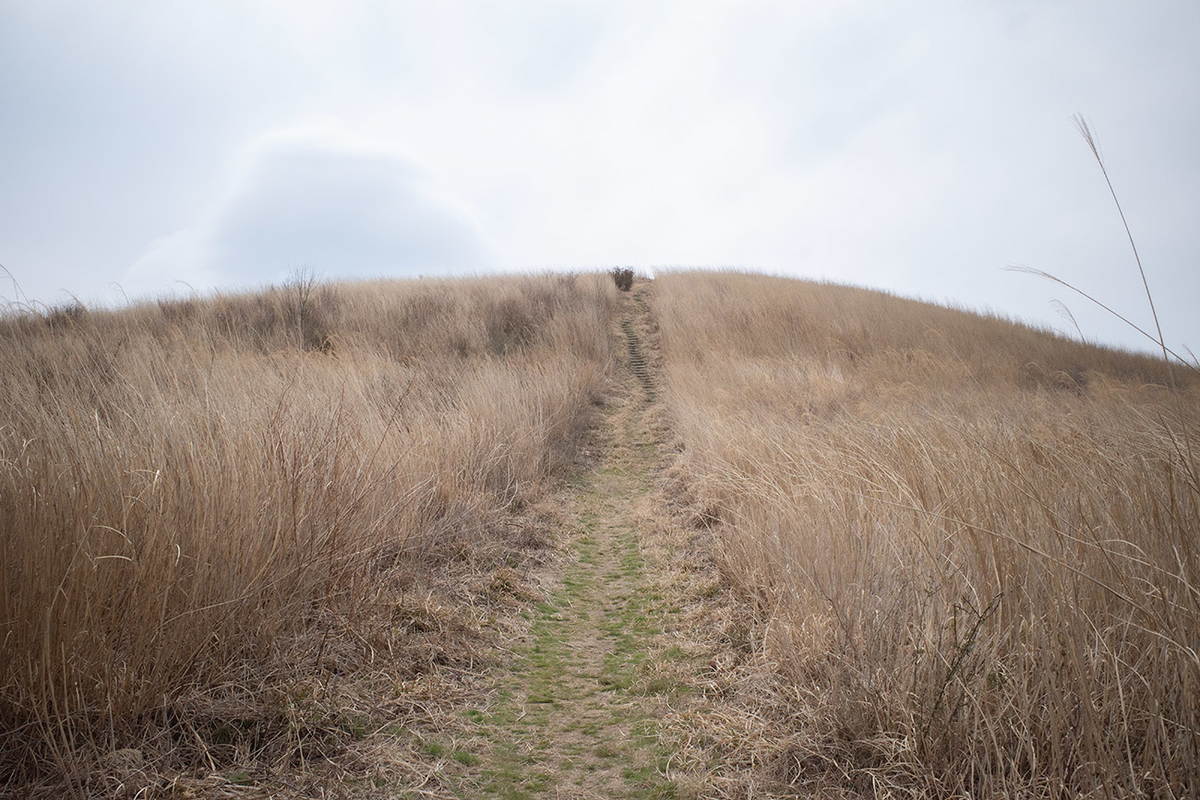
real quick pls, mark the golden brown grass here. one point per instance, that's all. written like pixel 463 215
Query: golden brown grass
pixel 972 545
pixel 189 488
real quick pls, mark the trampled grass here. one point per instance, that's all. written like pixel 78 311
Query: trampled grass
pixel 972 545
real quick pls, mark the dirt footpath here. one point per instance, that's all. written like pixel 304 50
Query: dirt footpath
pixel 576 716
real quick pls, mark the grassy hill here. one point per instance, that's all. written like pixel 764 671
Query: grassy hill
pixel 972 546
pixel 966 549
pixel 204 501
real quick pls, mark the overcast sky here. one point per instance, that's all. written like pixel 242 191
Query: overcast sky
pixel 920 147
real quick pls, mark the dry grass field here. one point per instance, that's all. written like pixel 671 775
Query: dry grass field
pixel 288 544
pixel 201 499
pixel 971 546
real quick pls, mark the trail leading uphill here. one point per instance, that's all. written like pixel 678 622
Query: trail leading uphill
pixel 575 716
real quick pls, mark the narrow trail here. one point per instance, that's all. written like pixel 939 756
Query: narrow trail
pixel 575 717
pixel 637 360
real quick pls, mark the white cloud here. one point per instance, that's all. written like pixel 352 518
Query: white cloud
pixel 317 197
pixel 918 147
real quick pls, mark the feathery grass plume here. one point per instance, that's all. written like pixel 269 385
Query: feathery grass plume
pixel 1085 131
pixel 1169 355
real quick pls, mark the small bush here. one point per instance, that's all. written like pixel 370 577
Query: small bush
pixel 66 315
pixel 622 277
pixel 310 310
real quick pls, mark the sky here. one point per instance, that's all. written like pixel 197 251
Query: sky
pixel 151 148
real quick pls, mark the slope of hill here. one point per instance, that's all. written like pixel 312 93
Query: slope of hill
pixel 725 535
pixel 971 546
pixel 210 508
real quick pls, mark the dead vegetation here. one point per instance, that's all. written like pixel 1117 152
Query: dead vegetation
pixel 229 526
pixel 622 277
pixel 967 548
pixel 263 544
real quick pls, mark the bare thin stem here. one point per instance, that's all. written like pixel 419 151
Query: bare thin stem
pixel 1109 309
pixel 1085 130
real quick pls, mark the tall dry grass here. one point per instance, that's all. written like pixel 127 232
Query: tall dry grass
pixel 186 484
pixel 972 545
